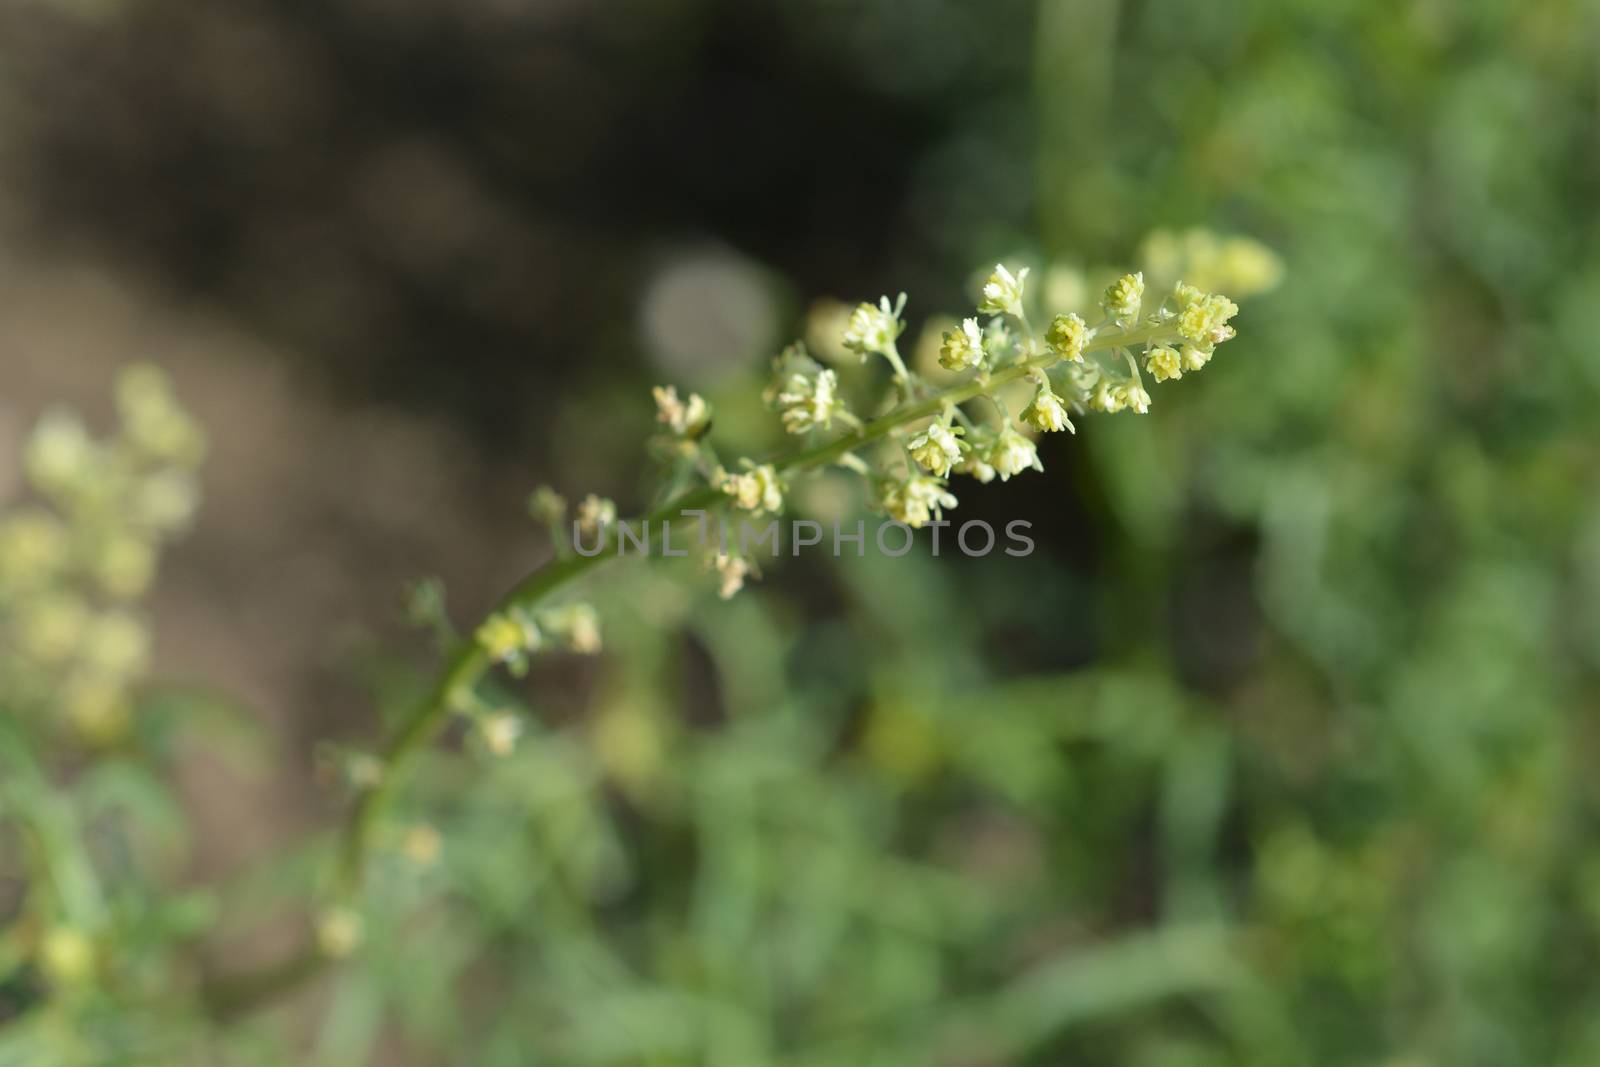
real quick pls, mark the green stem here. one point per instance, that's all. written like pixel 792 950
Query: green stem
pixel 466 666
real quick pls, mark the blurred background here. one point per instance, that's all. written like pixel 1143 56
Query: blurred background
pixel 1278 751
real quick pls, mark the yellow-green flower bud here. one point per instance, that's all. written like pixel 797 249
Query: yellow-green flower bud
pixel 49 627
pixel 60 457
pixel 936 448
pixel 152 420
pixel 1132 396
pixel 116 645
pixel 1163 363
pixel 506 637
pixel 756 490
pixel 97 708
pixel 732 570
pixel 595 513
pixel 338 932
pixel 66 956
pixel 1012 454
pixel 1205 321
pixel 803 392
pixel 33 548
pixel 685 418
pixel 874 329
pixel 1046 413
pixel 500 731
pixel 1066 337
pixel 166 501
pixel 1002 293
pixel 546 505
pixel 916 500
pixel 421 844
pixel 575 626
pixel 1123 297
pixel 124 566
pixel 1195 357
pixel 962 349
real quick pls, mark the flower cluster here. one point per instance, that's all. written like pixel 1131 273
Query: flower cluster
pixel 732 569
pixel 872 329
pixel 596 514
pixel 1124 297
pixel 937 448
pixel 512 636
pixel 915 499
pixel 804 393
pixel 929 434
pixel 1076 366
pixel 1176 337
pixel 76 560
pixel 756 489
pixel 684 418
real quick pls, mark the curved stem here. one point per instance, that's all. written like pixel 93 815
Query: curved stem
pixel 467 664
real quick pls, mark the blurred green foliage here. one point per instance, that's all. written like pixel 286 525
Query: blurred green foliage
pixel 1319 793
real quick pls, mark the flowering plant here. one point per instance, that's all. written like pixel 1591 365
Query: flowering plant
pixel 70 574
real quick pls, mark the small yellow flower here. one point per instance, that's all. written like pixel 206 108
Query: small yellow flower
pixel 166 502
pixel 1186 295
pixel 1132 396
pixel 363 770
pixel 685 418
pixel 733 570
pixel 977 467
pixel 1106 398
pixel 338 932
pixel 595 513
pixel 49 627
pixel 1012 454
pixel 33 546
pixel 66 956
pixel 546 505
pixel 97 708
pixel 576 626
pixel 1124 296
pixel 507 636
pixel 1195 357
pixel 1066 337
pixel 1046 413
pixel 421 844
pixel 60 455
pixel 1112 396
pixel 803 392
pixel 152 419
pixel 936 448
pixel 1163 363
pixel 116 645
pixel 1002 293
pixel 916 500
pixel 1204 320
pixel 756 490
pixel 500 731
pixel 124 565
pixel 874 329
pixel 962 349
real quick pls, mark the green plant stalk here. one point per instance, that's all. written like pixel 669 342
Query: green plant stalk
pixel 468 663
